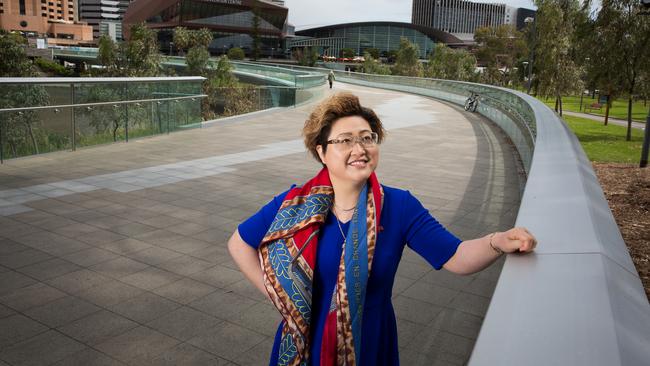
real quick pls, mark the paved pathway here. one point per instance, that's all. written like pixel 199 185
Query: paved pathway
pixel 117 254
pixel 601 119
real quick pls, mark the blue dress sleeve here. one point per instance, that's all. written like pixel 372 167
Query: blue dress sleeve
pixel 425 235
pixel 253 229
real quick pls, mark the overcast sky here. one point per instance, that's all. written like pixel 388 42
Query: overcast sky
pixel 314 13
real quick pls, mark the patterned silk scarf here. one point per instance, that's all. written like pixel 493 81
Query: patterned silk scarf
pixel 288 253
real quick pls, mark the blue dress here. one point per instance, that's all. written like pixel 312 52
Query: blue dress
pixel 404 221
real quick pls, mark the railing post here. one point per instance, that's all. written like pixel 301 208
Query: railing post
pixel 73 121
pixel 126 114
pixel 2 148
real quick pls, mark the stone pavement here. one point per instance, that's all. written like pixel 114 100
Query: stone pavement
pixel 117 254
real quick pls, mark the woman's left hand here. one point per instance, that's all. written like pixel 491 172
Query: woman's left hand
pixel 517 239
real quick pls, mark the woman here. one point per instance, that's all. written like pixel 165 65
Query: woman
pixel 331 275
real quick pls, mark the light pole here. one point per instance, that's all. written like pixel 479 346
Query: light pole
pixel 525 63
pixel 529 20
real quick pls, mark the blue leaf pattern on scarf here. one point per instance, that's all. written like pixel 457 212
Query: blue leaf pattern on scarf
pixel 288 217
pixel 300 302
pixel 280 258
pixel 287 350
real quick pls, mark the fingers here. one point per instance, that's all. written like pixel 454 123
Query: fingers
pixel 526 242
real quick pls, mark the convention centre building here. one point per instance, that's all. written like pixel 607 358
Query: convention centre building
pixel 383 36
pixel 231 21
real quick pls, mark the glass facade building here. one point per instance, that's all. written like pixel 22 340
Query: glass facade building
pixel 461 18
pixel 384 36
pixel 231 21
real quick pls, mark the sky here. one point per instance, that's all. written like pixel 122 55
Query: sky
pixel 314 13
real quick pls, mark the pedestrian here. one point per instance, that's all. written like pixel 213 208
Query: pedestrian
pixel 326 252
pixel 330 78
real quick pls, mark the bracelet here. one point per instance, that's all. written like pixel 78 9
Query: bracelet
pixel 497 250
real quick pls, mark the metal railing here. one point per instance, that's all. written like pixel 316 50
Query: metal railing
pixel 578 299
pixel 299 79
pixel 39 115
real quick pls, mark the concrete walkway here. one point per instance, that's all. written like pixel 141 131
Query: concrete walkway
pixel 117 254
pixel 601 119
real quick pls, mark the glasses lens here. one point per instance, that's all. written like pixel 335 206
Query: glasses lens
pixel 346 142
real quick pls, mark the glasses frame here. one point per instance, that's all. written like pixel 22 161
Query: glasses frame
pixel 338 141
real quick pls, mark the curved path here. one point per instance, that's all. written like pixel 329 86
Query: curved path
pixel 117 254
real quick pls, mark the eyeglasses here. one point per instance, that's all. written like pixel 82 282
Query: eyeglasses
pixel 347 142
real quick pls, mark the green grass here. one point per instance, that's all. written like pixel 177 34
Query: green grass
pixel 618 109
pixel 606 143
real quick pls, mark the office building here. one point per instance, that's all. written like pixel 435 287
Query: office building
pixel 54 20
pixel 105 16
pixel 461 18
pixel 231 22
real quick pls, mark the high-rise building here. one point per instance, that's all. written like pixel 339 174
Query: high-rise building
pixel 105 16
pixel 51 19
pixel 460 17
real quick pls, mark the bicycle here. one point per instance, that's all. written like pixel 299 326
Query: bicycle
pixel 472 102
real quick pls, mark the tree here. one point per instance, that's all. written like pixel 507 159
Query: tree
pixel 181 39
pixel 256 32
pixel 347 53
pixel 447 63
pixel 373 66
pixel 108 54
pixel 307 56
pixel 12 53
pixel 20 127
pixel 225 93
pixel 557 72
pixel 202 37
pixel 499 48
pixel 236 53
pixel 140 54
pixel 408 59
pixel 619 24
pixel 372 52
pixel 197 61
pixel 391 56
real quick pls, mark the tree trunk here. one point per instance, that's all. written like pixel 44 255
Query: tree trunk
pixel 117 125
pixel 628 136
pixel 13 149
pixel 559 97
pixel 607 104
pixel 31 136
pixel 556 104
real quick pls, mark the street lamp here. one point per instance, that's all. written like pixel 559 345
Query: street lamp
pixel 525 63
pixel 529 20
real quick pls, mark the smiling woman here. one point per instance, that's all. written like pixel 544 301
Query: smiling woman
pixel 331 276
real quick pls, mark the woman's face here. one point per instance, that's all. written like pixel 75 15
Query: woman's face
pixel 355 163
